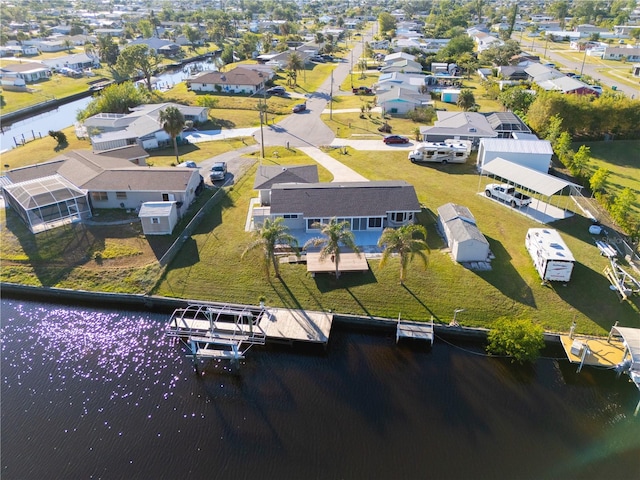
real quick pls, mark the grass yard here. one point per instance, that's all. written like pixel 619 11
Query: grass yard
pixel 622 159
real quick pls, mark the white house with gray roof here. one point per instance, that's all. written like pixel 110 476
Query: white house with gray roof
pixel 69 187
pixel 470 126
pixel 139 127
pixel 367 206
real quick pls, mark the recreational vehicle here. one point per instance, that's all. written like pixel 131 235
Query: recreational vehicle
pixel 551 257
pixel 450 151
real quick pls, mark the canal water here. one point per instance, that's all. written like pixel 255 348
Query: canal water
pixel 65 115
pixel 103 394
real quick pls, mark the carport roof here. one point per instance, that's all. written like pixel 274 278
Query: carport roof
pixel 526 177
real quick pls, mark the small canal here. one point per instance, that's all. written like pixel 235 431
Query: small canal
pixel 101 393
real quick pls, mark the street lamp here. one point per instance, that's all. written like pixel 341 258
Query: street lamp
pixel 455 314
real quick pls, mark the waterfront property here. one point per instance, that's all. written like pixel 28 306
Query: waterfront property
pixel 367 206
pixel 140 127
pixel 66 189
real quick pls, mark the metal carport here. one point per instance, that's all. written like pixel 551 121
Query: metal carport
pixel 529 179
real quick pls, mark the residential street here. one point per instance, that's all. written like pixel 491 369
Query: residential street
pixel 589 69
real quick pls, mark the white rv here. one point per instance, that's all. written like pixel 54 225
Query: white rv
pixel 551 256
pixel 450 151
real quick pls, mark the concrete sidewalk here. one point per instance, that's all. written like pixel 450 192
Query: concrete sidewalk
pixel 212 135
pixel 341 173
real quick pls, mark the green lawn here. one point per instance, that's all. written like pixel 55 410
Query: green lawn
pixel 622 159
pixel 512 289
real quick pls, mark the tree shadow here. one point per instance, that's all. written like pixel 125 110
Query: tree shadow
pixel 505 277
pixel 424 305
pixel 328 282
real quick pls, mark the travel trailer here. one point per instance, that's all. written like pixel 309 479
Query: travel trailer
pixel 449 151
pixel 551 256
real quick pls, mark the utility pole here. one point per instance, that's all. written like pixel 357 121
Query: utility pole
pixel 331 98
pixel 583 60
pixel 351 69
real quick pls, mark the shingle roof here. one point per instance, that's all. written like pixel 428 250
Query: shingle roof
pixel 237 76
pixel 267 176
pixel 349 199
pixel 449 211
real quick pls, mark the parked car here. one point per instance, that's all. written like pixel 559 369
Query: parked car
pixel 362 90
pixel 218 171
pixel 317 59
pixel 596 88
pixel 395 139
pixel 301 107
pixel 277 90
pixel 188 164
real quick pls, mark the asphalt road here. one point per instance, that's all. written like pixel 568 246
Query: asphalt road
pixel 588 69
pixel 306 129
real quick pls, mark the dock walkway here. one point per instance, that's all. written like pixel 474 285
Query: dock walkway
pixel 414 330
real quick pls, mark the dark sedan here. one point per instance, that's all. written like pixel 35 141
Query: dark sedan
pixel 301 107
pixel 395 139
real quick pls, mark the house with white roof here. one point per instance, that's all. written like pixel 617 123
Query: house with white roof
pixel 470 126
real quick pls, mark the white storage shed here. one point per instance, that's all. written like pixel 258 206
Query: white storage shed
pixel 463 237
pixel 158 218
pixel 535 154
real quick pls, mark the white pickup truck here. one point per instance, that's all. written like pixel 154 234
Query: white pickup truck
pixel 507 194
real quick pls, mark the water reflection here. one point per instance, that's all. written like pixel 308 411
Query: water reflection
pixel 91 393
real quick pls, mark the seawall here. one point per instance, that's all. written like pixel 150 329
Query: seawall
pixel 168 305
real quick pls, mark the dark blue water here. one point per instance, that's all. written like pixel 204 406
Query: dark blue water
pixel 102 394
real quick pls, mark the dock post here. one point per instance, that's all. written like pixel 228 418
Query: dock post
pixel 611 332
pixel 585 351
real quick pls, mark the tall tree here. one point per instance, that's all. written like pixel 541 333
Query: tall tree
pixel 559 9
pixel 268 235
pixel 466 100
pixel 173 122
pixel 336 237
pixel 407 241
pixel 295 64
pixel 138 58
pixel 107 50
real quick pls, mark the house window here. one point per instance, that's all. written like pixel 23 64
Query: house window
pixel 398 217
pixel 310 223
pixel 375 222
pixel 165 197
pixel 99 196
pixel 121 195
pixel 155 220
pixel 359 224
pixel 290 215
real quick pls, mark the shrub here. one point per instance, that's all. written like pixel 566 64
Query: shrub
pixel 60 137
pixel 520 339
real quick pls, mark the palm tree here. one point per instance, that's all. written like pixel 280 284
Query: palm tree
pixel 295 64
pixel 268 235
pixel 335 236
pixel 173 123
pixel 466 99
pixel 406 242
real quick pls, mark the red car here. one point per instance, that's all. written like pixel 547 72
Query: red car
pixel 391 139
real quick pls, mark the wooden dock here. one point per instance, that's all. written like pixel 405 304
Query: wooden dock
pixel 414 330
pixel 349 262
pixel 286 325
pixel 597 352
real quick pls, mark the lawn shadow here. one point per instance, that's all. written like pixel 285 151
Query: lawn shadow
pixel 424 305
pixel 327 282
pixel 54 253
pixel 505 277
pixel 589 293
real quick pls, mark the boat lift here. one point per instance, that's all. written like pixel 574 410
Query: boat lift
pixel 221 332
pixel 622 282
